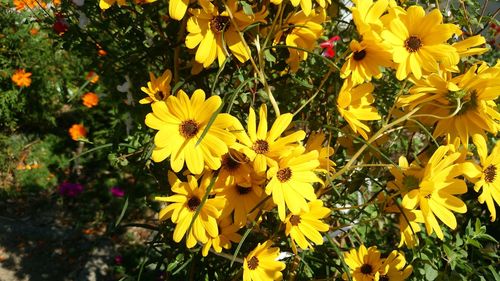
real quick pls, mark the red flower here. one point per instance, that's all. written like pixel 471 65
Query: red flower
pixel 329 46
pixel 60 25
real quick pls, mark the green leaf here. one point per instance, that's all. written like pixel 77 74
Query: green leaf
pixel 269 57
pixel 247 8
pixel 430 272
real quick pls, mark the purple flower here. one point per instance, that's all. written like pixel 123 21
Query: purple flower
pixel 117 191
pixel 118 260
pixel 70 189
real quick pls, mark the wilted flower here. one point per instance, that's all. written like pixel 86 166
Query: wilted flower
pixel 70 189
pixel 61 25
pixel 92 77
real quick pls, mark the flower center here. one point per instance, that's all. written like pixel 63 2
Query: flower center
pixel 490 173
pixel 413 44
pixel 193 203
pixel 295 220
pixel 243 190
pixel 284 174
pixel 359 55
pixel 410 182
pixel 261 147
pixel 366 269
pixel 229 163
pixel 219 23
pixel 159 95
pixel 188 129
pixel 253 263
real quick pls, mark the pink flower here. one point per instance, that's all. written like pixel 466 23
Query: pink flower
pixel 118 260
pixel 70 189
pixel 117 191
pixel 329 46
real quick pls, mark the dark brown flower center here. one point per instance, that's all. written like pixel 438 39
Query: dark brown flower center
pixel 219 23
pixel 188 129
pixel 193 203
pixel 413 44
pixel 284 174
pixel 490 173
pixel 261 147
pixel 242 190
pixel 359 55
pixel 253 263
pixel 295 220
pixel 366 269
pixel 383 278
pixel 229 163
pixel 159 95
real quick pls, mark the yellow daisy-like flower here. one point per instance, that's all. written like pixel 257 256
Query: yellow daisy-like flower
pixel 435 193
pixel 419 41
pixel 228 233
pixel 291 181
pixel 302 31
pixel 364 264
pixel 261 264
pixel 486 175
pixel 366 59
pixel 315 142
pixel 305 5
pixel 408 223
pixel 106 4
pixel 181 122
pixel 262 147
pixel 465 105
pixel 354 105
pixel 236 168
pixel 213 31
pixel 366 15
pixel 184 204
pixel 158 89
pixel 241 198
pixel 306 226
pixel 394 269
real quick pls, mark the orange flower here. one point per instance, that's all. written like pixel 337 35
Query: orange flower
pixel 102 52
pixel 77 131
pixel 92 77
pixel 22 4
pixel 90 99
pixel 34 31
pixel 21 78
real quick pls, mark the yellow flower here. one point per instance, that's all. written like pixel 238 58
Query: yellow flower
pixel 315 142
pixel 366 15
pixel 241 198
pixel 262 147
pixel 301 31
pixel 419 41
pixel 181 123
pixel 184 204
pixel 305 5
pixel 408 223
pixel 106 4
pixel 158 88
pixel 213 31
pixel 291 181
pixel 465 105
pixel 486 175
pixel 434 195
pixel 261 264
pixel 394 269
pixel 366 59
pixel 306 226
pixel 364 264
pixel 228 233
pixel 354 105
pixel 21 78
